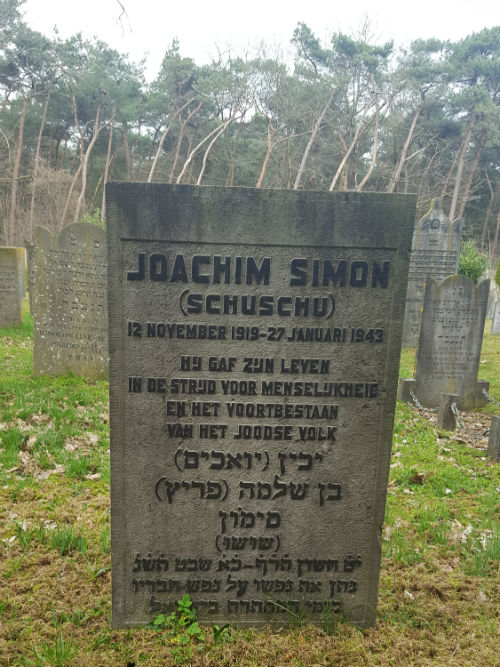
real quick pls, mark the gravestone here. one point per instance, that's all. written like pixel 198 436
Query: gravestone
pixel 494 295
pixel 254 349
pixel 435 250
pixel 12 287
pixel 30 261
pixel 495 322
pixel 70 301
pixel 494 439
pixel 449 346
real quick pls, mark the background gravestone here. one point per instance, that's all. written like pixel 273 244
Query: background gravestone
pixel 495 322
pixel 30 260
pixel 12 285
pixel 254 350
pixel 435 250
pixel 70 301
pixel 449 346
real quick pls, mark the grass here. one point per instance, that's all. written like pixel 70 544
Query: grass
pixel 439 581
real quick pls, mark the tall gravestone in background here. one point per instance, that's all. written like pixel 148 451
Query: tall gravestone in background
pixel 70 301
pixel 435 250
pixel 12 287
pixel 449 346
pixel 254 349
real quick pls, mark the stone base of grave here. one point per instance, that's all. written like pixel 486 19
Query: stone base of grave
pixel 494 440
pixel 405 387
pixel 446 418
pixel 480 399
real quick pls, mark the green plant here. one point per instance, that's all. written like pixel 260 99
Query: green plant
pixel 58 654
pixel 25 536
pixel 94 218
pixel 65 541
pixel 472 262
pixel 497 274
pixel 220 633
pixel 181 630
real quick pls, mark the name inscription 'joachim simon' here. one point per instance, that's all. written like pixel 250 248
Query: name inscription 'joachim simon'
pixel 215 270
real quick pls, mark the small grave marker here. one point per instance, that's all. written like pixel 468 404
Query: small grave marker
pixel 12 285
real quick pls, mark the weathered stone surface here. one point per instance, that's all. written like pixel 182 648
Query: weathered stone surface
pixel 12 289
pixel 435 250
pixel 406 387
pixel 30 260
pixel 70 301
pixel 254 349
pixel 449 346
pixel 481 400
pixel 494 439
pixel 494 295
pixel 446 417
pixel 495 322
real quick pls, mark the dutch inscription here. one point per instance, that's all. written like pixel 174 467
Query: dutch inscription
pixel 254 340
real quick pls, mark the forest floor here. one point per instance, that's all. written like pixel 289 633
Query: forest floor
pixel 439 582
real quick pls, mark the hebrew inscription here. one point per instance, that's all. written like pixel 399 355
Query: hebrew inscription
pixel 254 347
pixel 70 301
pixel 435 250
pixel 449 346
pixel 12 285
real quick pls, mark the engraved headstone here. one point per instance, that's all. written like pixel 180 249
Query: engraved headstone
pixel 435 250
pixel 449 346
pixel 254 348
pixel 12 287
pixel 495 322
pixel 70 301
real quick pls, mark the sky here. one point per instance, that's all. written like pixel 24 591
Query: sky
pixel 205 27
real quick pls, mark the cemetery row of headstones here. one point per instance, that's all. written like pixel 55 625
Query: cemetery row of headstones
pixel 248 331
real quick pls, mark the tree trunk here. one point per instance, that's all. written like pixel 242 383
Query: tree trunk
pixel 35 167
pixel 126 151
pixel 374 153
pixel 494 245
pixel 270 132
pixel 311 141
pixel 179 141
pixel 205 157
pixel 15 173
pixel 460 166
pixel 488 211
pixel 349 151
pixel 106 168
pixel 97 131
pixel 402 158
pixel 68 197
pixel 162 140
pixel 197 148
pixel 472 171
